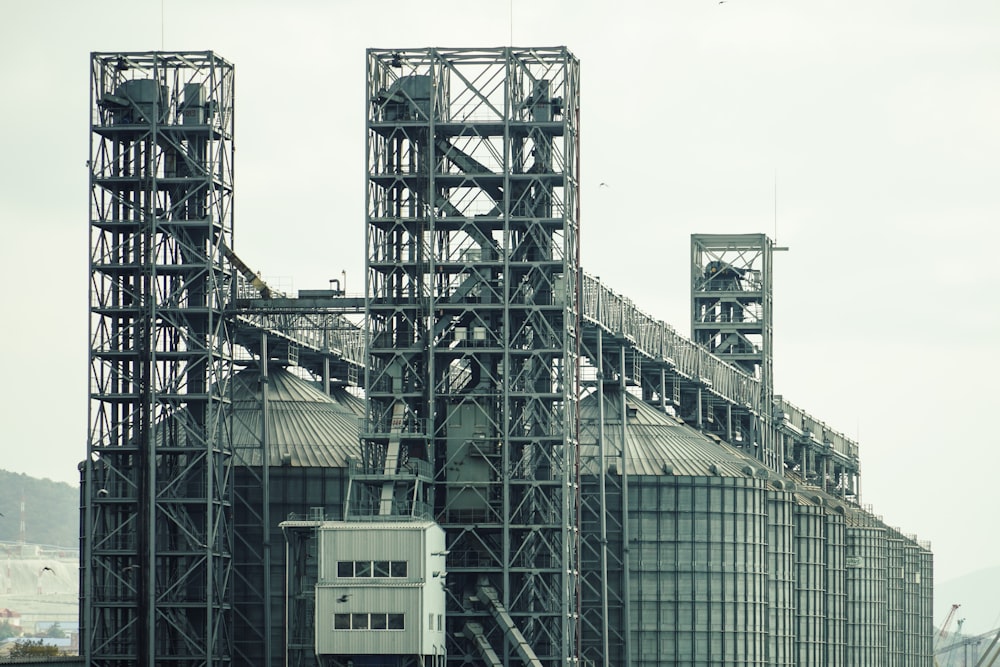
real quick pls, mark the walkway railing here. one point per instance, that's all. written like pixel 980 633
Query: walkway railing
pixel 600 307
pixel 660 342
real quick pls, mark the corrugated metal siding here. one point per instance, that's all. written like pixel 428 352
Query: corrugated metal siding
pixel 781 578
pixel 419 597
pixel 306 427
pixel 836 589
pixel 854 599
pixel 698 558
pixel 371 642
pixel 895 644
pixel 654 440
pixel 926 559
pixel 866 592
pixel 810 583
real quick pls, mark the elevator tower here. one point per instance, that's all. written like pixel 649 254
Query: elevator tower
pixel 731 316
pixel 157 490
pixel 472 284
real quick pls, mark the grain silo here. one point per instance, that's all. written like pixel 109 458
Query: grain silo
pixel 308 437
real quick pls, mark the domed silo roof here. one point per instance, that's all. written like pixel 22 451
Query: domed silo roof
pixel 658 443
pixel 306 428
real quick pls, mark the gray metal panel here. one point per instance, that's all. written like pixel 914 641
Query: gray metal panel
pixel 406 601
pixel 836 589
pixel 698 557
pixel 419 596
pixel 781 578
pixel 810 583
pixel 305 426
pixel 659 444
pixel 866 591
pixel 926 618
pixel 911 603
pixel 894 612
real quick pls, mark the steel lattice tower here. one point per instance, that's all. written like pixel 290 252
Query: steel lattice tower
pixel 732 299
pixel 472 288
pixel 157 580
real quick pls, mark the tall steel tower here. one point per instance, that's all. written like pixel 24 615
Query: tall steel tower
pixel 472 284
pixel 157 487
pixel 731 316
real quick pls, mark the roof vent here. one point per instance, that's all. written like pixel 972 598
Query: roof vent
pixel 713 468
pixel 668 469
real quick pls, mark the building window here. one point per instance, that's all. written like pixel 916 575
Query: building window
pixel 371 568
pixel 369 621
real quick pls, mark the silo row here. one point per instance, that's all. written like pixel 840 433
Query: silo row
pixel 731 565
pixel 726 563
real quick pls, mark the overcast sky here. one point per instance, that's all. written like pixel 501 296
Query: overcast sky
pixel 879 121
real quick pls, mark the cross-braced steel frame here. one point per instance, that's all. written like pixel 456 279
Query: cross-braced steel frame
pixel 472 304
pixel 732 298
pixel 157 581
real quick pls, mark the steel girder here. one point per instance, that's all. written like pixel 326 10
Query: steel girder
pixel 157 478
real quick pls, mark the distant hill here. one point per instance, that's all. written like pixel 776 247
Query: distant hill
pixel 51 510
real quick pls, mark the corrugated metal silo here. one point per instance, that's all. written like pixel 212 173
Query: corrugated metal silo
pixel 308 438
pixel 836 587
pixel 894 614
pixel 697 517
pixel 810 582
pixel 781 573
pixel 926 617
pixel 911 603
pixel 866 590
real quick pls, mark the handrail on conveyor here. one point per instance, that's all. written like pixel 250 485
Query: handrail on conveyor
pixel 659 341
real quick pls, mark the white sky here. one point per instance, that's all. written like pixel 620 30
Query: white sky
pixel 881 120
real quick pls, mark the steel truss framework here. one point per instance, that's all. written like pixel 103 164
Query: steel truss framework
pixel 472 287
pixel 157 578
pixel 604 565
pixel 732 300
